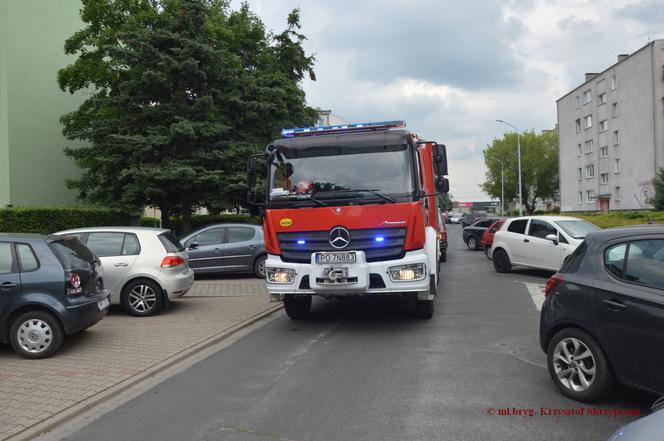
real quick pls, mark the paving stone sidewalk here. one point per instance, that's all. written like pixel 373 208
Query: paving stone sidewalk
pixel 120 348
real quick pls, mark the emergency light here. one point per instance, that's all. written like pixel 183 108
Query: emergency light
pixel 342 128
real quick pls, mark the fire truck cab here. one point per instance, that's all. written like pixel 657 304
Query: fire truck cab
pixel 351 211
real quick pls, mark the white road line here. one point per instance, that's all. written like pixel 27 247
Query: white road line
pixel 536 292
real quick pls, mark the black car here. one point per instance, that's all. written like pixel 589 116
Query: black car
pixel 49 287
pixel 603 316
pixel 469 219
pixel 472 235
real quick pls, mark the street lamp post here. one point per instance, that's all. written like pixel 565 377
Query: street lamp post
pixel 502 184
pixel 518 153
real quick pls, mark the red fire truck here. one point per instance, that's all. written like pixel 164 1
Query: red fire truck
pixel 351 210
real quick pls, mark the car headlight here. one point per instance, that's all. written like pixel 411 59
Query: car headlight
pixel 412 272
pixel 280 275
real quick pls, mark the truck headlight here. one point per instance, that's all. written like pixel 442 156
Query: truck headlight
pixel 411 272
pixel 280 275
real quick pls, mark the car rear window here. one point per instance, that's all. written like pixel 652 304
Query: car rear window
pixel 72 253
pixel 573 263
pixel 170 242
pixel 518 226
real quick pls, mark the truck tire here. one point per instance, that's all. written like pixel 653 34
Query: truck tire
pixel 297 307
pixel 443 256
pixel 424 308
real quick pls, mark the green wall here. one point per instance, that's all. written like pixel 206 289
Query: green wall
pixel 31 50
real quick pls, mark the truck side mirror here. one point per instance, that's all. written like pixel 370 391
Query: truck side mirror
pixel 443 185
pixel 440 159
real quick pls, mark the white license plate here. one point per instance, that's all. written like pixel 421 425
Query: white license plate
pixel 347 257
pixel 103 304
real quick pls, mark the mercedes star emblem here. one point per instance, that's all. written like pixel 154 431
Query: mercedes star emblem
pixel 339 238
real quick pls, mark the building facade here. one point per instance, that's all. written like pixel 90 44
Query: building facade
pixel 611 134
pixel 33 167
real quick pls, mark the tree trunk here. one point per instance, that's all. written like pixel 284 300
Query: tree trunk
pixel 186 214
pixel 165 218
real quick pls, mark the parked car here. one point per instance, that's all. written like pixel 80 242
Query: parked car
pixel 49 287
pixel 487 237
pixel 542 242
pixel 470 219
pixel 602 320
pixel 144 268
pixel 472 234
pixel 454 218
pixel 442 237
pixel 644 429
pixel 227 248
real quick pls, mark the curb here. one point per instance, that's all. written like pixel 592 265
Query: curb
pixel 67 414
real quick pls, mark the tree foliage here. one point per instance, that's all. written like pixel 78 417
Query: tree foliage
pixel 539 168
pixel 181 92
pixel 658 182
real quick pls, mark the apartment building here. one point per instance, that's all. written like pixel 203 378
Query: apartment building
pixel 611 134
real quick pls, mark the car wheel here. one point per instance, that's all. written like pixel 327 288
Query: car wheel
pixel 443 256
pixel 487 251
pixel 472 243
pixel 142 298
pixel 36 334
pixel 578 366
pixel 297 307
pixel 501 261
pixel 259 267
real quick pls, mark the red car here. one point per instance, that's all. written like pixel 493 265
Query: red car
pixel 487 237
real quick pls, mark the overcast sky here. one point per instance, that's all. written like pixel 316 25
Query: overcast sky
pixel 451 68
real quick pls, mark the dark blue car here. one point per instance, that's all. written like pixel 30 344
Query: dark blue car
pixel 49 287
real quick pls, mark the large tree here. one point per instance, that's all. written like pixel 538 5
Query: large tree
pixel 539 168
pixel 181 92
pixel 658 200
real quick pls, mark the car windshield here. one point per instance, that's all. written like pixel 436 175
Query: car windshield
pixel 577 229
pixel 333 172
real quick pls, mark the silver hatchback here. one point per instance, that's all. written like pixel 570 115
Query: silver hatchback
pixel 144 268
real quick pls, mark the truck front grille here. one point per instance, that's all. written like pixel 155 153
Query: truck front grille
pixel 390 248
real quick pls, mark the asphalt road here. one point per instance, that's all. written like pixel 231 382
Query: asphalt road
pixel 367 370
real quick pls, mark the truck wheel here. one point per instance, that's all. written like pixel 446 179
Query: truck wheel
pixel 297 307
pixel 443 256
pixel 424 309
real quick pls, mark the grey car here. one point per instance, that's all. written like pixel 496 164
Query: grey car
pixel 226 248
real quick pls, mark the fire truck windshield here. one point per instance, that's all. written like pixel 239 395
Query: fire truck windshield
pixel 381 173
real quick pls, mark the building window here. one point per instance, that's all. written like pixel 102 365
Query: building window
pixel 578 125
pixel 588 121
pixel 587 97
pixel 580 197
pixel 589 146
pixel 616 166
pixel 604 151
pixel 590 196
pixel 601 99
pixel 614 110
pixel 614 82
pixel 617 193
pixel 604 178
pixel 603 126
pixel 578 150
pixel 590 171
pixel 616 137
pixel 578 101
pixel 579 173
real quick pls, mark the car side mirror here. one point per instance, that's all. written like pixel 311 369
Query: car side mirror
pixel 193 246
pixel 553 238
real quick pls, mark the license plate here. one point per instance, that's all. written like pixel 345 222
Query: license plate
pixel 103 304
pixel 347 257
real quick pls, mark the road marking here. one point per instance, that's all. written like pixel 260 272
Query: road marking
pixel 536 292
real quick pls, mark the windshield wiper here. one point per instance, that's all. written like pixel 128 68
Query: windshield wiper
pixel 352 190
pixel 299 197
pixel 375 192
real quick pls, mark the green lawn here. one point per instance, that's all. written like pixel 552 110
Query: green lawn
pixel 621 218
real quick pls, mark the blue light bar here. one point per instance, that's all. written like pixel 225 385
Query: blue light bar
pixel 342 128
pixel 301 242
pixel 379 239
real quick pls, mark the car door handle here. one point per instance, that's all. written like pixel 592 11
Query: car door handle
pixel 217 250
pixel 614 305
pixel 526 240
pixel 7 285
pixel 252 246
pixel 121 264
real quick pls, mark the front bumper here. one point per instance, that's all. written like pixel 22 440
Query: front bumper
pixel 365 273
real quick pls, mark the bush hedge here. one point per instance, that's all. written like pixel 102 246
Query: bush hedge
pixel 201 220
pixel 47 220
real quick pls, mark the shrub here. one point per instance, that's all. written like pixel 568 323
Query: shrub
pixel 200 221
pixel 47 220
